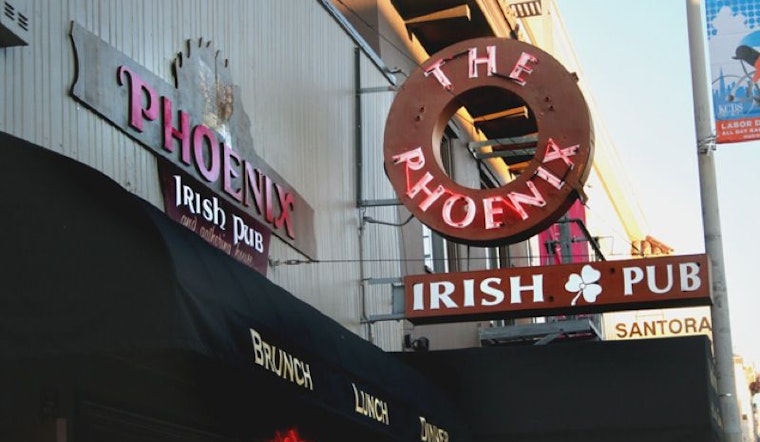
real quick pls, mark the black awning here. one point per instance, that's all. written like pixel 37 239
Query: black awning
pixel 655 390
pixel 89 267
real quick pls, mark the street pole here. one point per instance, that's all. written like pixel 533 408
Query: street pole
pixel 721 325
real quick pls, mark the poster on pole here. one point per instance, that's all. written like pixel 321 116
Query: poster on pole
pixel 733 36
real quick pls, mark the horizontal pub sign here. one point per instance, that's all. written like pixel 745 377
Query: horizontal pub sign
pixel 663 282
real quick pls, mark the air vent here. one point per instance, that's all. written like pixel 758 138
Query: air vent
pixel 526 9
pixel 14 24
pixel 23 22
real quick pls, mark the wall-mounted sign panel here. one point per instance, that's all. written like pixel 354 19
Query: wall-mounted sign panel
pixel 221 224
pixel 671 281
pixel 200 126
pixel 657 323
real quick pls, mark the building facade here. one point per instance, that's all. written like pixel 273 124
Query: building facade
pixel 204 242
pixel 199 169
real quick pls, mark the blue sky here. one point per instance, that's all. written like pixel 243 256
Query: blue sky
pixel 635 58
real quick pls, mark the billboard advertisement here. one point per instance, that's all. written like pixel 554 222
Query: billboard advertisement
pixel 733 36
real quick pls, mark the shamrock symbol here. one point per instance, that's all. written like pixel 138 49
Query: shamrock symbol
pixel 584 284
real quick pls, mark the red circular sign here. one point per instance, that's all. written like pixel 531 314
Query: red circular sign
pixel 544 190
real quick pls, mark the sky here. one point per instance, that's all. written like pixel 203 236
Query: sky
pixel 634 56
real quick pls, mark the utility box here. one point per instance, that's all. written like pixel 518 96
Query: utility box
pixel 14 23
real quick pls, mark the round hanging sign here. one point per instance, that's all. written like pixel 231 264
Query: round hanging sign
pixel 543 191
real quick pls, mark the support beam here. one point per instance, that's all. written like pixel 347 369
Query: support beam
pixel 461 11
pixel 515 112
pixel 511 141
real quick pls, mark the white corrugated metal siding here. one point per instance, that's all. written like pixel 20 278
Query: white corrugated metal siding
pixel 295 67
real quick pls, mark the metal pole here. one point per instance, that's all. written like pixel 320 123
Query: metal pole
pixel 721 326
